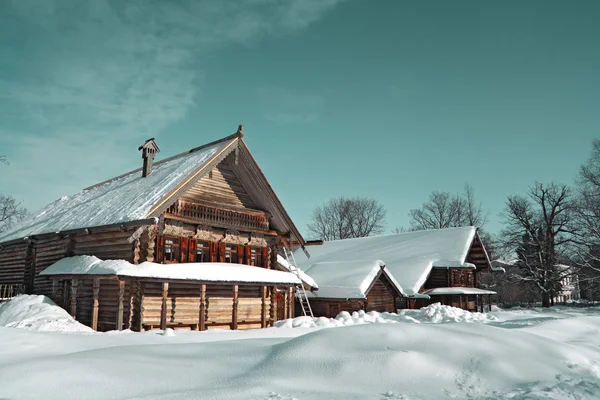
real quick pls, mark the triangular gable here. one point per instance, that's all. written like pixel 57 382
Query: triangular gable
pixel 223 186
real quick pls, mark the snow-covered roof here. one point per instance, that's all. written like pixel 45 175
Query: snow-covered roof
pixel 456 290
pixel 347 279
pixel 408 257
pixel 206 272
pixel 126 198
pixel 295 270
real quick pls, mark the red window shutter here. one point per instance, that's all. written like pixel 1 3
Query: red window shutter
pixel 222 251
pixel 213 249
pixel 160 249
pixel 192 252
pixel 183 256
pixel 265 257
pixel 248 251
pixel 240 254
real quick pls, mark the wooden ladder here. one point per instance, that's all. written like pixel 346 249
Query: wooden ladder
pixel 300 291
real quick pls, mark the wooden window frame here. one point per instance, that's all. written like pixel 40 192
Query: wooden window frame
pixel 175 259
pixel 205 247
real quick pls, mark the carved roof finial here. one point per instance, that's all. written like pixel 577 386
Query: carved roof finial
pixel 240 130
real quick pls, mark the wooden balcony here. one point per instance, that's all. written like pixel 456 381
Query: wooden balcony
pixel 216 216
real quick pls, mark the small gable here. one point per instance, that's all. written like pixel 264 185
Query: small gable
pixel 222 186
pixel 382 296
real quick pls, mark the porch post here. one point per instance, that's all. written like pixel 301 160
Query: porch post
pixel 263 310
pixel 74 283
pixel 202 316
pixel 490 302
pixel 291 302
pixel 234 311
pixel 163 307
pixel 121 293
pixel 95 293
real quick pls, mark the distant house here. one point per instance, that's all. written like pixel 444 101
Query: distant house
pixel 405 270
pixel 207 208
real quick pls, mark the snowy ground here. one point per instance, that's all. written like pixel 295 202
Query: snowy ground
pixel 435 353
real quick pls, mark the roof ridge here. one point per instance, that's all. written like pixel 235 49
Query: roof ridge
pixel 403 233
pixel 193 150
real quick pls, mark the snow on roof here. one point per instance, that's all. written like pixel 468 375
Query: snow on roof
pixel 456 290
pixel 346 279
pixel 209 272
pixel 126 198
pixel 301 274
pixel 408 257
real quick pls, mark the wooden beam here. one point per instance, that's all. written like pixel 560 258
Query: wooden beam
pixel 273 304
pixel 55 290
pixel 95 295
pixel 121 293
pixel 263 313
pixel 490 302
pixel 140 322
pixel 290 302
pixel 74 283
pixel 163 306
pixel 234 312
pixel 202 316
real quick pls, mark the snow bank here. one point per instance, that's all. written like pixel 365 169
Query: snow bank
pixel 433 314
pixel 38 313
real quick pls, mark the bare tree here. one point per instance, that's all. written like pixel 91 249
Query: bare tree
pixel 539 228
pixel 344 218
pixel 10 211
pixel 444 210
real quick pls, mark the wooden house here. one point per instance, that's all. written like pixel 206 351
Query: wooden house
pixel 204 208
pixel 417 269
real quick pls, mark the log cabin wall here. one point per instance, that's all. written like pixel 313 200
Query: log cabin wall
pixel 105 245
pixel 183 306
pixel 331 308
pixel 12 263
pixel 48 251
pixel 439 277
pixel 381 297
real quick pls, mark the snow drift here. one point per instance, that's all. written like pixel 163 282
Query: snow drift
pixel 38 313
pixel 435 313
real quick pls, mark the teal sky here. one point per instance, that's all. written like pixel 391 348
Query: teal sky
pixel 389 99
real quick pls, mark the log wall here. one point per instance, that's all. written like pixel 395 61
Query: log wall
pixel 331 308
pixel 381 297
pixel 104 245
pixel 47 252
pixel 12 263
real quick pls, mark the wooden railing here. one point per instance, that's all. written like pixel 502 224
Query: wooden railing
pixel 7 292
pixel 219 216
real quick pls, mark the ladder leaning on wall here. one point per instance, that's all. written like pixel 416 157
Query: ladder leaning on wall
pixel 300 291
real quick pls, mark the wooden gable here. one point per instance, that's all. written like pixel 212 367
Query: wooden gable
pixel 221 186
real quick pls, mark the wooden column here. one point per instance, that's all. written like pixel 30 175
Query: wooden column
pixel 490 302
pixel 95 303
pixel 73 306
pixel 55 290
pixel 202 315
pixel 273 304
pixel 120 294
pixel 263 313
pixel 290 302
pixel 141 302
pixel 234 311
pixel 460 301
pixel 163 307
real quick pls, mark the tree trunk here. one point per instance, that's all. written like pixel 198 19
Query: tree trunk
pixel 545 299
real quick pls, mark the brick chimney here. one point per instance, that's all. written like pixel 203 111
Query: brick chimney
pixel 149 149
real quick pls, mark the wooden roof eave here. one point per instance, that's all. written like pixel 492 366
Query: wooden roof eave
pixel 278 211
pixel 86 230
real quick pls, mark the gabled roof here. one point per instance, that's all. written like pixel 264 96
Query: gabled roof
pixel 348 279
pixel 131 197
pixel 408 257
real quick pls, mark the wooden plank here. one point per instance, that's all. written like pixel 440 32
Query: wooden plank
pixel 234 314
pixel 74 283
pixel 95 294
pixel 263 312
pixel 202 316
pixel 121 293
pixel 163 308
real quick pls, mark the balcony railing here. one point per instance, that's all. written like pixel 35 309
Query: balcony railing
pixel 209 215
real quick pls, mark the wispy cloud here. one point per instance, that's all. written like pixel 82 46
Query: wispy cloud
pixel 79 76
pixel 286 107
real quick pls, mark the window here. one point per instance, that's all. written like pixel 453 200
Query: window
pixel 172 250
pixel 231 253
pixel 203 252
pixel 255 257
